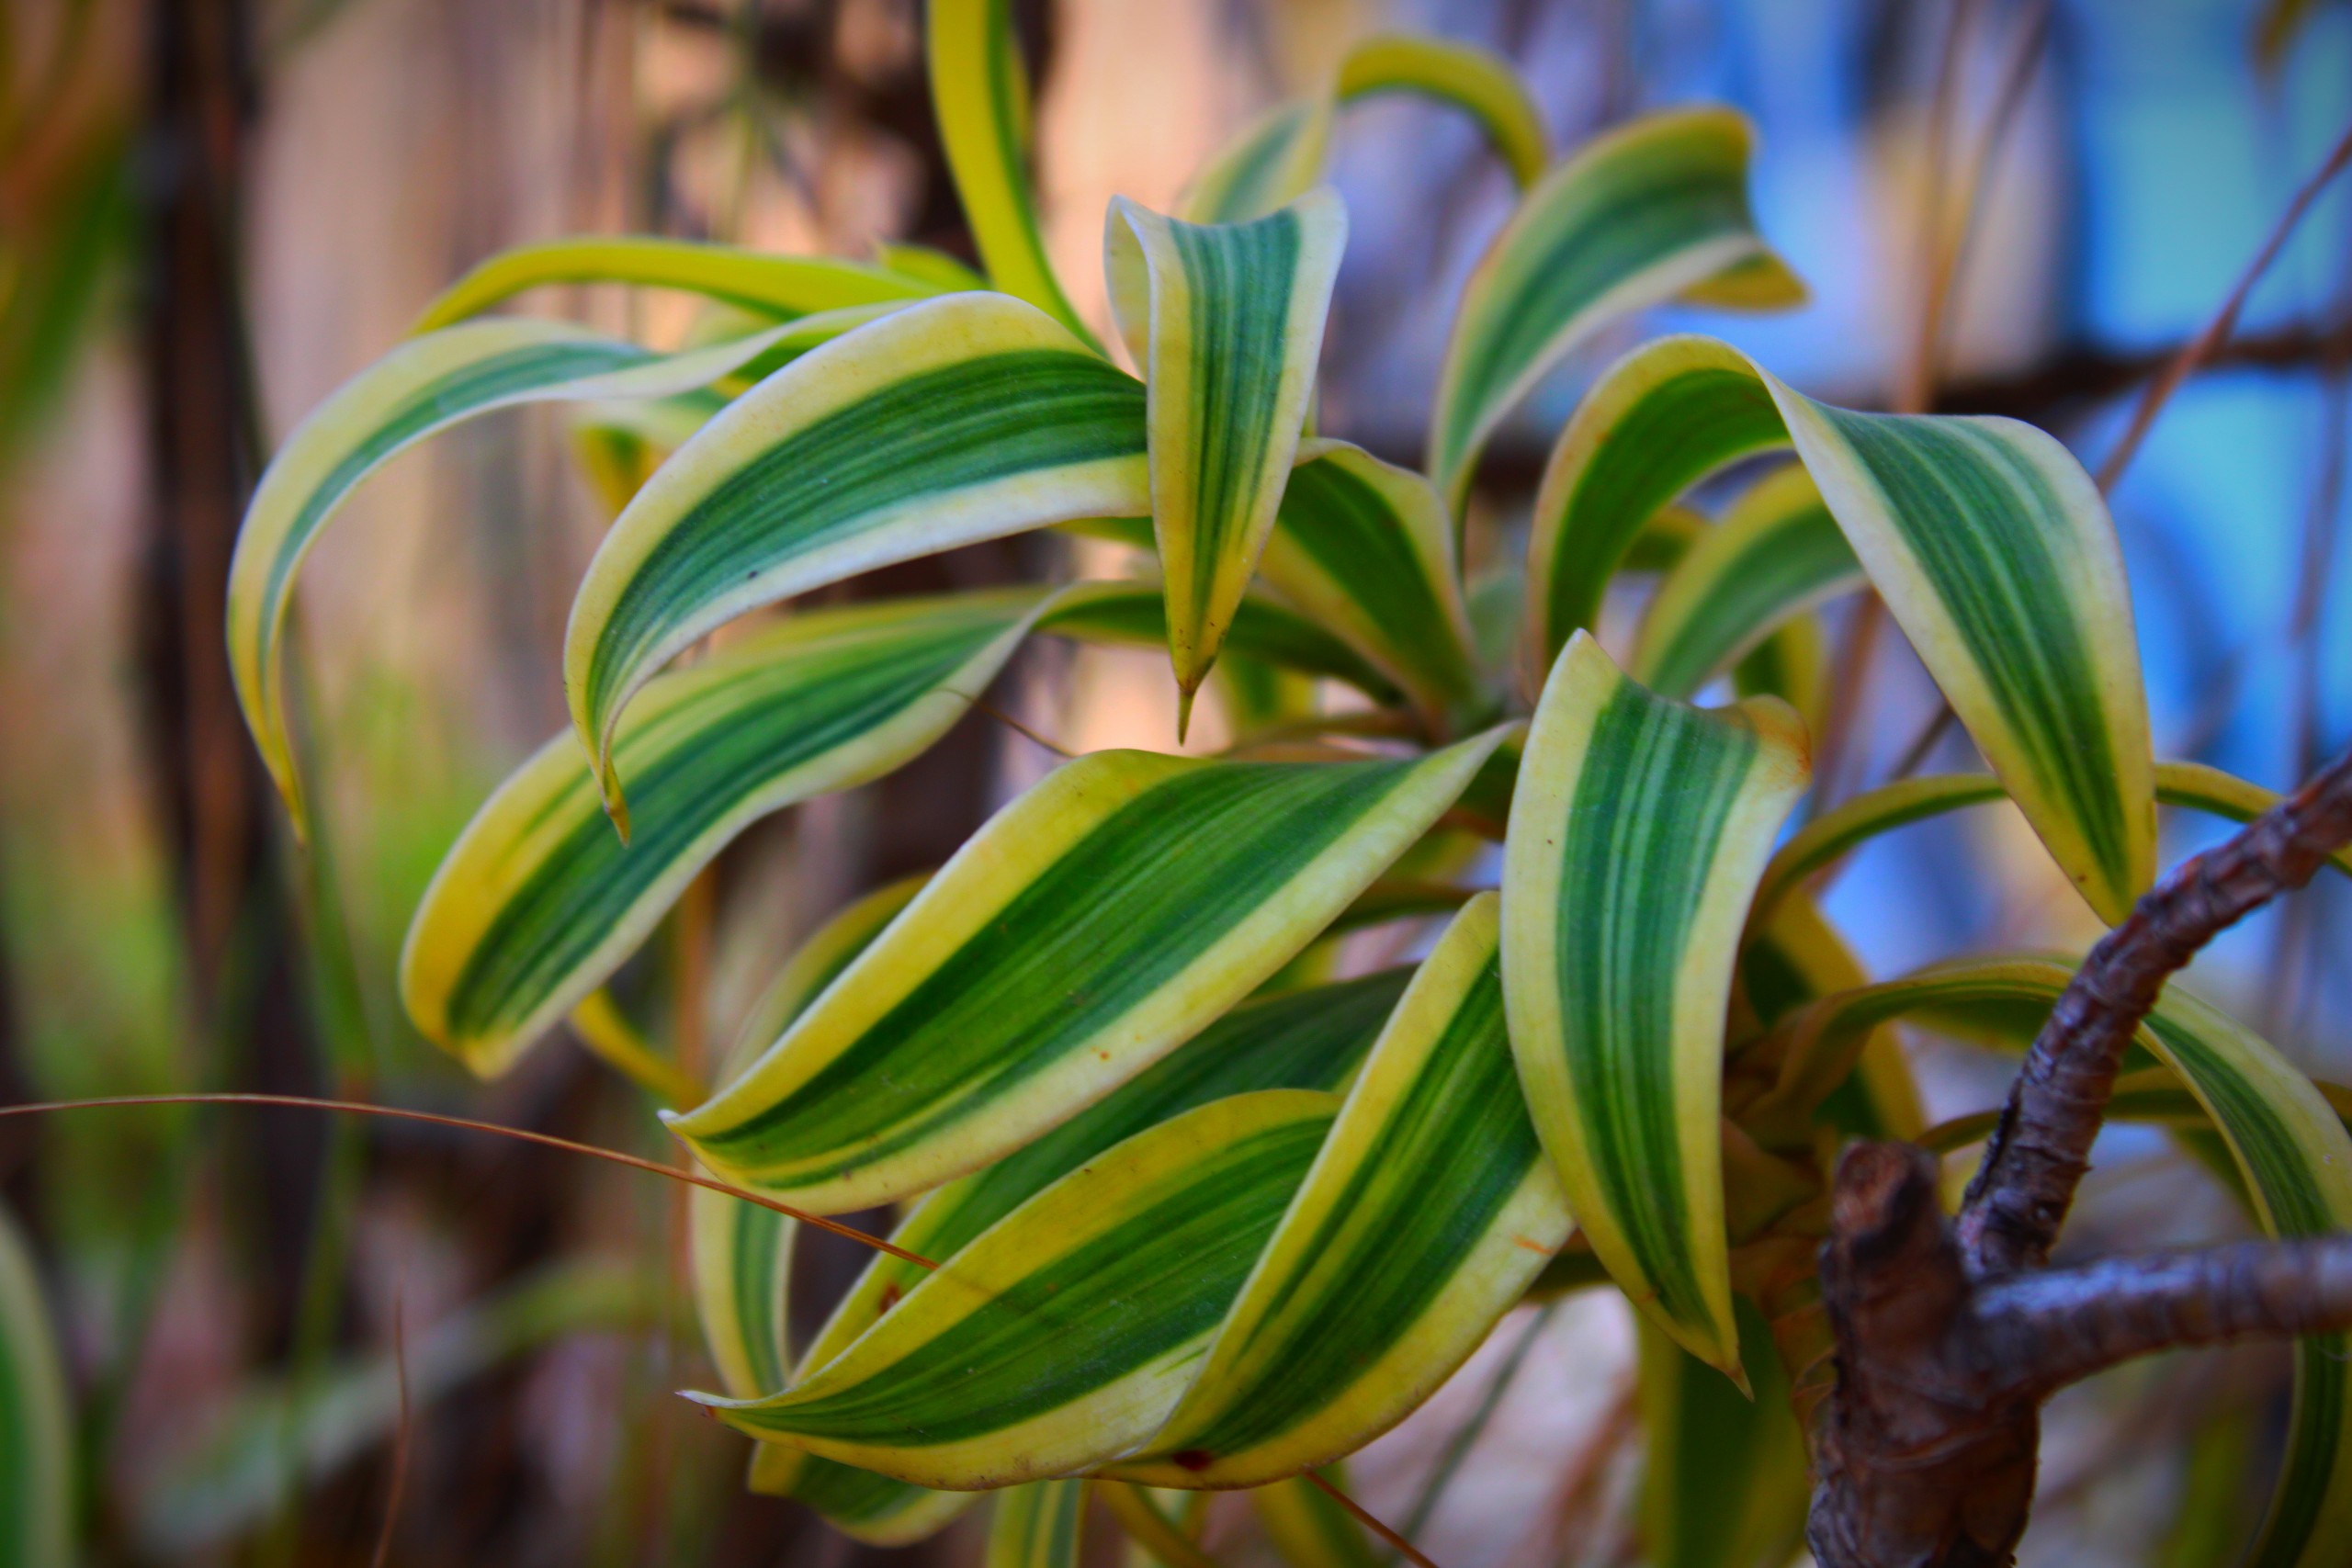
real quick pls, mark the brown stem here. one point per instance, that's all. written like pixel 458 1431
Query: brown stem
pixel 2059 1325
pixel 1924 1453
pixel 2042 1146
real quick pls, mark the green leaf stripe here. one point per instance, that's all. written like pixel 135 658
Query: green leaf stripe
pixel 1122 1269
pixel 1366 548
pixel 1986 540
pixel 742 1265
pixel 1656 422
pixel 36 1419
pixel 1840 832
pixel 1136 614
pixel 1227 322
pixel 1037 1526
pixel 538 902
pixel 812 967
pixel 1777 554
pixel 1091 927
pixel 961 418
pixel 1651 211
pixel 1276 159
pixel 1312 1039
pixel 758 281
pixel 1477 81
pixel 1424 1218
pixel 423 386
pixel 1384 1244
pixel 1308 1039
pixel 2287 1142
pixel 982 100
pixel 1281 155
pixel 1637 832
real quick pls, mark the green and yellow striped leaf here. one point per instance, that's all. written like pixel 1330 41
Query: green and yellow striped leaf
pixel 1263 629
pixel 1383 1246
pixel 1792 957
pixel 1723 1475
pixel 1477 81
pixel 812 967
pixel 758 281
pixel 1276 159
pixel 422 387
pixel 957 420
pixel 1308 1528
pixel 1427 1211
pixel 1637 832
pixel 1654 209
pixel 1281 156
pixel 1037 1526
pixel 538 902
pixel 1776 554
pixel 742 1256
pixel 1988 543
pixel 1227 321
pixel 1312 1039
pixel 37 1498
pixel 1365 549
pixel 1063 1334
pixel 1838 832
pixel 1090 928
pixel 741 1253
pixel 2288 1146
pixel 980 97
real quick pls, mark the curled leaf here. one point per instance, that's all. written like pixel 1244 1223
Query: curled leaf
pixel 1637 832
pixel 1227 321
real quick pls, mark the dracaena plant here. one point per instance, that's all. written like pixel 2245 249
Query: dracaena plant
pixel 1177 1211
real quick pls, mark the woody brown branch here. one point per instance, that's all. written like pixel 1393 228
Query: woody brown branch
pixel 2059 1325
pixel 1948 1338
pixel 2042 1146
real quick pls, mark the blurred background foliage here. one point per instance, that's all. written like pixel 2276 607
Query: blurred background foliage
pixel 212 211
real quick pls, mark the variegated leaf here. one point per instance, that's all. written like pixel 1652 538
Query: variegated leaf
pixel 422 387
pixel 1263 630
pixel 758 281
pixel 1037 1526
pixel 1365 549
pixel 1427 1212
pixel 538 902
pixel 1281 156
pixel 1776 554
pixel 1064 1333
pixel 1988 541
pixel 812 967
pixel 741 1253
pixel 1654 209
pixel 1310 1529
pixel 980 97
pixel 1477 81
pixel 960 419
pixel 1312 1039
pixel 1092 926
pixel 1637 832
pixel 1227 321
pixel 1194 1367
pixel 1838 832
